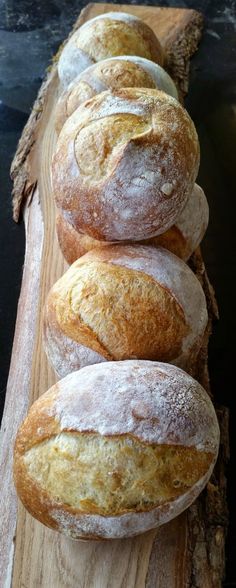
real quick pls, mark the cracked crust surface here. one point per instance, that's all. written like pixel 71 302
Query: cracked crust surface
pixel 115 449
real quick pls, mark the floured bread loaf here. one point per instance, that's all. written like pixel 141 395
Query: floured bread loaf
pixel 124 302
pixel 112 74
pixel 107 35
pixel 125 164
pixel 182 239
pixel 116 449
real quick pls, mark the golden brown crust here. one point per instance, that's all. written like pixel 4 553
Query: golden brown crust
pixel 155 48
pixel 74 244
pixel 35 500
pixel 94 304
pixel 123 74
pixel 111 74
pixel 39 424
pixel 60 321
pixel 153 314
pixel 115 75
pixel 120 149
pixel 73 523
pixel 156 474
pixel 173 240
pixel 109 35
pixel 182 239
pixel 124 302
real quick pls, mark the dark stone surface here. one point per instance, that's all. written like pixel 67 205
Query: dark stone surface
pixel 30 33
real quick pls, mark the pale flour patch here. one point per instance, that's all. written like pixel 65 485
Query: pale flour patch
pixel 193 220
pixel 156 402
pixel 67 355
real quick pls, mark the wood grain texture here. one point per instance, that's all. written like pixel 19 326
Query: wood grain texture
pixel 189 551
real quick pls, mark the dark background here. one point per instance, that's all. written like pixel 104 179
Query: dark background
pixel 30 33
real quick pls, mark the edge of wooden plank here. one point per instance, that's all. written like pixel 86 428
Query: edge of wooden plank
pixel 16 403
pixel 23 181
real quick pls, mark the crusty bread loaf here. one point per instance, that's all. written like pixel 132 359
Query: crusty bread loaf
pixel 182 239
pixel 112 74
pixel 125 164
pixel 116 449
pixel 109 35
pixel 124 302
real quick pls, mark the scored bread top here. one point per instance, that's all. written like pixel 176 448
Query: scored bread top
pixel 116 449
pixel 153 402
pixel 91 300
pixel 125 164
pixel 113 74
pixel 112 34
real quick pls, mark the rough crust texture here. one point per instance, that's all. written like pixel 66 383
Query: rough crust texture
pixel 141 403
pixel 125 164
pixel 112 74
pixel 124 302
pixel 109 35
pixel 182 239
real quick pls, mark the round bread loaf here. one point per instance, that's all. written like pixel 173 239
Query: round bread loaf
pixel 124 302
pixel 112 74
pixel 182 239
pixel 125 164
pixel 107 35
pixel 116 449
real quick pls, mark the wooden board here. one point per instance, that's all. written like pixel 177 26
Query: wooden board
pixel 189 551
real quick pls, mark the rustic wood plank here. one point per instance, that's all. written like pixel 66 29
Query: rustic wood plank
pixel 189 551
pixel 17 396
